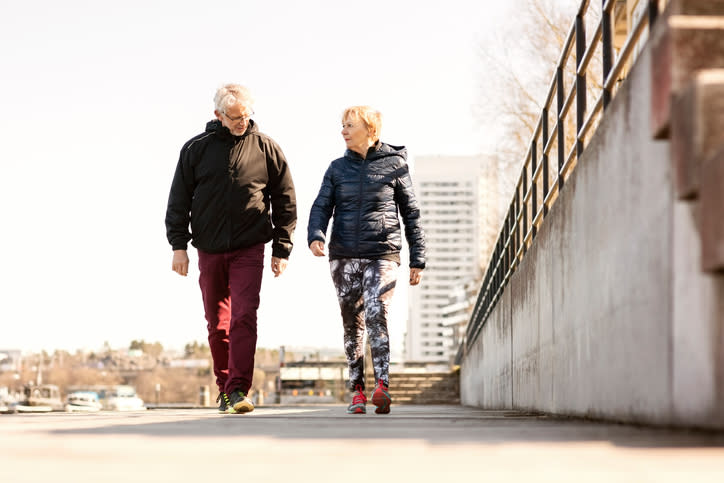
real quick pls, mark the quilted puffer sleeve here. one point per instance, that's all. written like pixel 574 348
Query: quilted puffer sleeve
pixel 410 211
pixel 322 209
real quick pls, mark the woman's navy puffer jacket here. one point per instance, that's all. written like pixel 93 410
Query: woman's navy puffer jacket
pixel 365 197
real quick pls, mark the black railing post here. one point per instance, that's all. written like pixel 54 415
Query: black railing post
pixel 544 158
pixel 517 222
pixel 561 135
pixel 506 231
pixel 501 248
pixel 524 187
pixel 497 260
pixel 580 82
pixel 511 235
pixel 533 187
pixel 607 47
pixel 653 12
pixel 508 251
pixel 501 257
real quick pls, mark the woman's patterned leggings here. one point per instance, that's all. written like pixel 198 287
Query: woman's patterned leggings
pixel 364 290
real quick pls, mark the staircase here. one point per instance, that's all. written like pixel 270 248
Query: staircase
pixel 688 109
pixel 425 388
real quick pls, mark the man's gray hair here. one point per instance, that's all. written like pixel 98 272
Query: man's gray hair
pixel 231 94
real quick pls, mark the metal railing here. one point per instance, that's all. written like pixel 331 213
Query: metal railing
pixel 542 178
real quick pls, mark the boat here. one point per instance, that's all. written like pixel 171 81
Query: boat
pixel 83 401
pixel 122 398
pixel 7 402
pixel 41 399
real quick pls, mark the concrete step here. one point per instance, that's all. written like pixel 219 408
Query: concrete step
pixel 685 39
pixel 711 221
pixel 687 94
pixel 697 129
pixel 415 388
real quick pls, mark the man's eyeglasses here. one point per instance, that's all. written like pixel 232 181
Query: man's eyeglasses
pixel 240 118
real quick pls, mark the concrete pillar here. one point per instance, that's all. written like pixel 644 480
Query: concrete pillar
pixel 687 37
pixel 697 129
pixel 712 213
pixel 204 396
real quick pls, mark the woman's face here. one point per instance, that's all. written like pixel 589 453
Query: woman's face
pixel 355 134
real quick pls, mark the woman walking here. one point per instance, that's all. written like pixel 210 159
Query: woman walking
pixel 365 191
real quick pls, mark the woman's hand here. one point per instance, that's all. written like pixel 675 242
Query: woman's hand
pixel 317 248
pixel 415 276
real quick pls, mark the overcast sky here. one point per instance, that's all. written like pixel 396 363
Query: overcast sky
pixel 97 98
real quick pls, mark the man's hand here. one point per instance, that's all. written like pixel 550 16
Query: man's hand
pixel 317 248
pixel 180 263
pixel 278 265
pixel 415 276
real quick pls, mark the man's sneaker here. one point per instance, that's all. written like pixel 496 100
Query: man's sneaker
pixel 224 404
pixel 239 402
pixel 358 402
pixel 381 398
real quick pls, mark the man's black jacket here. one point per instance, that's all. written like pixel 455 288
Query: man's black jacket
pixel 365 197
pixel 225 187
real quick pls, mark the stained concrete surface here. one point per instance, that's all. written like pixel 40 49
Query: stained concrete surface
pixel 322 443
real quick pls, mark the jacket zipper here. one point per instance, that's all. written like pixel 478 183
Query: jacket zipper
pixel 359 207
pixel 229 193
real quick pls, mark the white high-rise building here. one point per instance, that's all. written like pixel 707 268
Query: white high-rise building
pixel 457 197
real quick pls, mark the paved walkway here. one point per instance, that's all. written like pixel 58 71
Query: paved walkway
pixel 323 444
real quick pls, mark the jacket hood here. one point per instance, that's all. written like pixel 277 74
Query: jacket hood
pixel 380 150
pixel 216 126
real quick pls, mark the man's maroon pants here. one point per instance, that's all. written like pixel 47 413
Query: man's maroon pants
pixel 230 284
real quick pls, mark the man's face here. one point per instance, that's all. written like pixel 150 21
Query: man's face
pixel 235 118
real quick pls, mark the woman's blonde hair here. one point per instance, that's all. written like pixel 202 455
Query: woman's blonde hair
pixel 371 118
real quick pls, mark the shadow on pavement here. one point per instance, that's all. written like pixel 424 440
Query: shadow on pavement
pixel 435 425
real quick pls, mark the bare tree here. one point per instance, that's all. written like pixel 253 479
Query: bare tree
pixel 517 66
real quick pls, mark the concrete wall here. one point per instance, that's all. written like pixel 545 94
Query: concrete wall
pixel 609 314
pixel 698 328
pixel 486 375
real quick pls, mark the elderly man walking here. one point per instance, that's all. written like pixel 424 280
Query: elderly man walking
pixel 233 188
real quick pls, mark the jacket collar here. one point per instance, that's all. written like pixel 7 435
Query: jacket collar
pixel 379 150
pixel 370 152
pixel 223 132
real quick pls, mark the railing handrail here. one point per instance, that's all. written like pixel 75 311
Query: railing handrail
pixel 519 227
